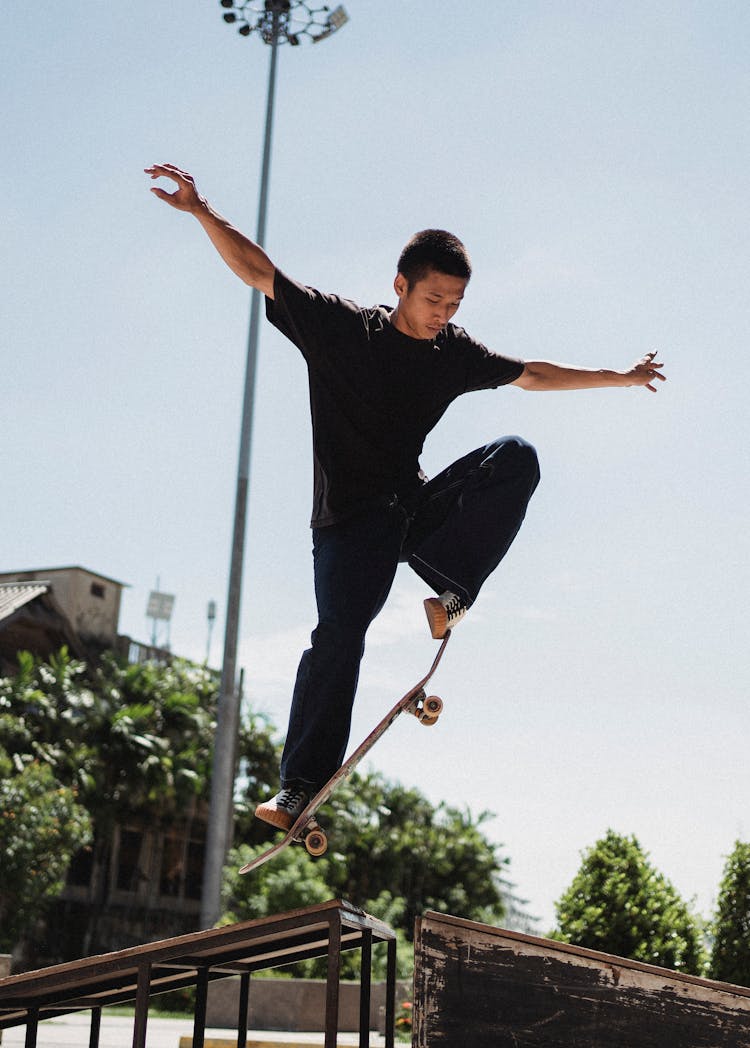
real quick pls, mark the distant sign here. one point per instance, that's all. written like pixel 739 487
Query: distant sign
pixel 160 606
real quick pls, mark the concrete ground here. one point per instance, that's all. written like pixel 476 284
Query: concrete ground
pixel 72 1031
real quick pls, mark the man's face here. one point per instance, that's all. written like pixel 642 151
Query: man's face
pixel 425 307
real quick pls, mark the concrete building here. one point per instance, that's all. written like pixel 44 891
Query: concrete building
pixel 43 609
pixel 89 601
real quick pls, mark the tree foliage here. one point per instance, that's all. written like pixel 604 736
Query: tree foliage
pixel 620 904
pixel 294 881
pixel 391 852
pixel 41 827
pixel 128 738
pixel 730 957
pixel 389 837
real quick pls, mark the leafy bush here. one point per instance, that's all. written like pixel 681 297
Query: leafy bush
pixel 620 904
pixel 730 958
pixel 41 827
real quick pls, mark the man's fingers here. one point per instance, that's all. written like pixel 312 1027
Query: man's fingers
pixel 652 375
pixel 650 369
pixel 183 196
pixel 157 169
pixel 169 171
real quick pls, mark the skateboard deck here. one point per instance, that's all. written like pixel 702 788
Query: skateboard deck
pixel 306 829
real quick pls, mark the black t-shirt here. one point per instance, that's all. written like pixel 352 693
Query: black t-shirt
pixel 375 393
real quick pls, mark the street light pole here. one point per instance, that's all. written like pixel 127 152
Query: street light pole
pixel 276 21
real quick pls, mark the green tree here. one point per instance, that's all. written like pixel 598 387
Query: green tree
pixel 41 827
pixel 290 882
pixel 730 957
pixel 154 735
pixel 392 853
pixel 294 880
pixel 131 740
pixel 259 753
pixel 619 903
pixel 389 838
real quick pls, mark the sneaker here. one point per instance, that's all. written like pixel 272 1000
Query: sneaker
pixel 284 809
pixel 444 612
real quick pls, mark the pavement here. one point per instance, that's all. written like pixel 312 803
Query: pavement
pixel 72 1031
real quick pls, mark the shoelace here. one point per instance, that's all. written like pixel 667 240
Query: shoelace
pixel 291 797
pixel 454 607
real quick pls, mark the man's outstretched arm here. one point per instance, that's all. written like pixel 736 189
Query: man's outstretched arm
pixel 546 375
pixel 245 258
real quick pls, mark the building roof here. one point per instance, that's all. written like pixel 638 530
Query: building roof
pixel 68 567
pixel 13 595
pixel 31 620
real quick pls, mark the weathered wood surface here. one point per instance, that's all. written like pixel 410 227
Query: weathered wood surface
pixel 477 986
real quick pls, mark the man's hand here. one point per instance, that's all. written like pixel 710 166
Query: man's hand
pixel 644 371
pixel 186 197
pixel 242 255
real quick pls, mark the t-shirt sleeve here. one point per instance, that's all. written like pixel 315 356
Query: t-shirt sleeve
pixel 485 369
pixel 315 322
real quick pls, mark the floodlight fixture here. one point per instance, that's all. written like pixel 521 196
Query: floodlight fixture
pixel 284 21
pixel 336 19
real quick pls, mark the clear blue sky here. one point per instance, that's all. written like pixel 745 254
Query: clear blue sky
pixel 594 159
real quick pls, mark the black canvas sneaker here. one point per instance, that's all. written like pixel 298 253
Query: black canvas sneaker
pixel 284 809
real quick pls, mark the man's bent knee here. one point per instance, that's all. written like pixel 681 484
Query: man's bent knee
pixel 516 453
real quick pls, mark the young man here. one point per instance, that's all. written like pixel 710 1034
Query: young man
pixel 380 379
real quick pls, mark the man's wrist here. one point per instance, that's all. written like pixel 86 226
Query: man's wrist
pixel 201 207
pixel 619 378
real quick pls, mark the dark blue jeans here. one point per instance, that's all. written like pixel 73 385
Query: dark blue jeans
pixel 453 533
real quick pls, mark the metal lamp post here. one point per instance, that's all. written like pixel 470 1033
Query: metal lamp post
pixel 276 22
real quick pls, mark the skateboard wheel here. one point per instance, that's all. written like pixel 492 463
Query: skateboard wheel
pixel 316 843
pixel 433 706
pixel 427 721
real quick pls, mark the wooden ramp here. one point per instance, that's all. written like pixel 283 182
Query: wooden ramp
pixel 195 960
pixel 480 986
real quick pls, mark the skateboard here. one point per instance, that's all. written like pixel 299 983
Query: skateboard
pixel 306 829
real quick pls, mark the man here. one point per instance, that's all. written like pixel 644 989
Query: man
pixel 380 379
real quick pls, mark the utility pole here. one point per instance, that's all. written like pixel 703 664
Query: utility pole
pixel 276 22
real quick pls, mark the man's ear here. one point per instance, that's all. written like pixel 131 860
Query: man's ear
pixel 401 285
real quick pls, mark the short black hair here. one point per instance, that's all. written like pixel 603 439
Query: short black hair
pixel 434 249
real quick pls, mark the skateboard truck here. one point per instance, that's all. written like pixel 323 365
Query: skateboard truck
pixel 426 709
